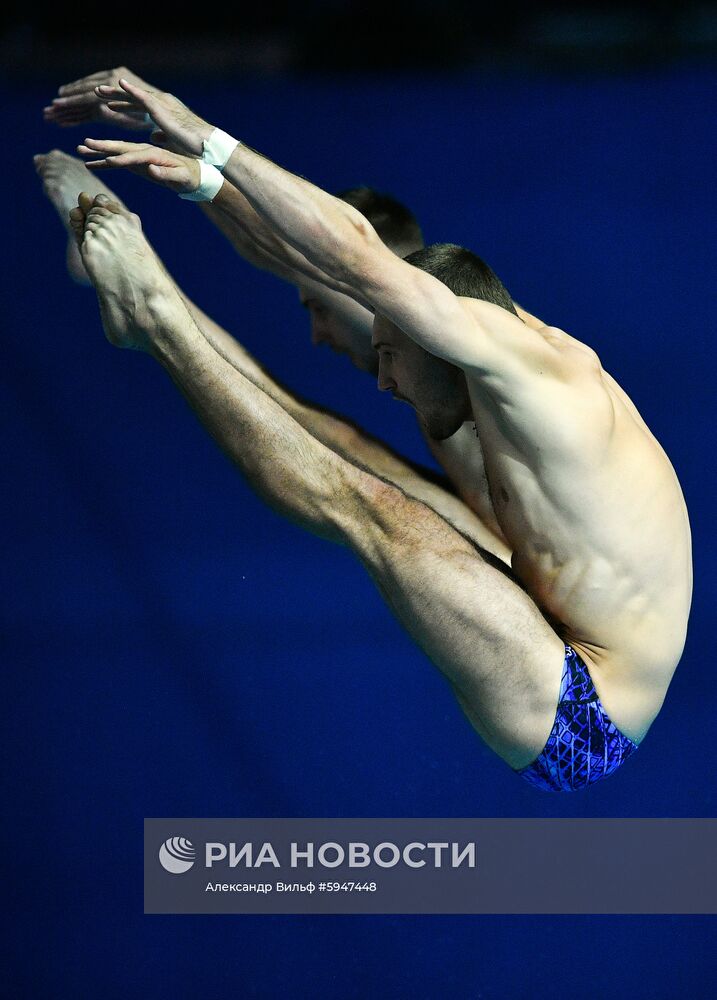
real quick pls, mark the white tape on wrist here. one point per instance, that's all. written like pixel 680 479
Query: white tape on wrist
pixel 218 148
pixel 210 182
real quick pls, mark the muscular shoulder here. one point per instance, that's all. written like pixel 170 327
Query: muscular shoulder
pixel 579 369
pixel 530 349
pixel 575 355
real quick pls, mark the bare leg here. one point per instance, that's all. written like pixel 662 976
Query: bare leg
pixel 479 627
pixel 471 618
pixel 63 177
pixel 354 444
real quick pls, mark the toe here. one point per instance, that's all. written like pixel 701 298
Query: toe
pixel 77 221
pixel 105 202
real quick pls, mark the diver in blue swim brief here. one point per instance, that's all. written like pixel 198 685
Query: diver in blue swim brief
pixel 584 745
pixel 588 532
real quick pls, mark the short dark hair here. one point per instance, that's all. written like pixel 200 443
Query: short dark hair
pixel 463 272
pixel 395 224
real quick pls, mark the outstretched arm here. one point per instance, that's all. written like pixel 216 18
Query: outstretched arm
pixel 336 238
pixel 339 241
pixel 236 216
pixel 79 103
pixel 262 244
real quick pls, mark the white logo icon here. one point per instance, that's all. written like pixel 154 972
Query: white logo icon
pixel 177 855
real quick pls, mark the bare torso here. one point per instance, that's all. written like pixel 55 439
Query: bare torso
pixel 461 458
pixel 593 511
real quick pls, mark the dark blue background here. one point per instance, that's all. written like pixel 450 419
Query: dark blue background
pixel 174 648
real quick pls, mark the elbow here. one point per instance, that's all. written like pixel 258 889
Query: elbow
pixel 355 245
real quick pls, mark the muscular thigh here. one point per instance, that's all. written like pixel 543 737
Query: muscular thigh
pixel 458 515
pixel 470 616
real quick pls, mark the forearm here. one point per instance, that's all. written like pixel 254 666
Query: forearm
pixel 330 234
pixel 256 241
pixel 250 235
pixel 291 216
pixel 242 241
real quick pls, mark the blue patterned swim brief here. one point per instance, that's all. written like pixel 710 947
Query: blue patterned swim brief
pixel 584 745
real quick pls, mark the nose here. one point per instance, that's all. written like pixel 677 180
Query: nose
pixel 385 383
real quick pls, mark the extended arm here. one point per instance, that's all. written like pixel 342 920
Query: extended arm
pixel 78 103
pixel 309 234
pixel 262 245
pixel 339 241
pixel 250 232
pixel 470 333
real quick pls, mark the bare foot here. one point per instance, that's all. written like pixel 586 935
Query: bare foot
pixel 63 177
pixel 131 284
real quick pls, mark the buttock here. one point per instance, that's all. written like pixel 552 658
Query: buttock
pixel 584 745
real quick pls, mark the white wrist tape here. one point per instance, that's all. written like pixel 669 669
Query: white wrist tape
pixel 218 148
pixel 210 182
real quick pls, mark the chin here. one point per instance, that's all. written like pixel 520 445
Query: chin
pixel 440 434
pixel 440 430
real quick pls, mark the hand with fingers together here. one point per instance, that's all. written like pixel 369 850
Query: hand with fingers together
pixel 181 129
pixel 78 102
pixel 178 173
